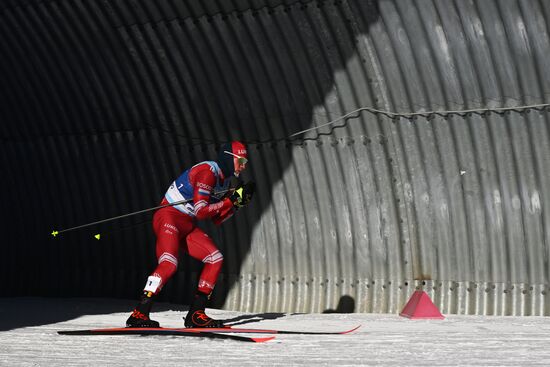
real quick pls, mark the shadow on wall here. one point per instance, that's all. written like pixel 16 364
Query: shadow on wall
pixel 322 42
pixel 345 305
pixel 257 76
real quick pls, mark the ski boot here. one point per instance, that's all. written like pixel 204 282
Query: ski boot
pixel 196 318
pixel 140 316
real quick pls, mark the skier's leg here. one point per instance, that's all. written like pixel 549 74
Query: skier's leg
pixel 201 247
pixel 170 227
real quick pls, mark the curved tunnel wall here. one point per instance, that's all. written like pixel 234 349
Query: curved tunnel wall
pixel 105 102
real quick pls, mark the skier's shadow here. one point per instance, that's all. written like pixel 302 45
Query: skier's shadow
pixel 246 319
pixel 345 305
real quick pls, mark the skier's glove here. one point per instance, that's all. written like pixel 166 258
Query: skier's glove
pixel 234 184
pixel 243 194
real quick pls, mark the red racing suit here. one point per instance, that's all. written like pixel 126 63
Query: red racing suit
pixel 176 226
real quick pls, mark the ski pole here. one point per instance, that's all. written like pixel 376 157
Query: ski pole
pixel 55 233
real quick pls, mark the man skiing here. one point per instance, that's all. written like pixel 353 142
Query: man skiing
pixel 176 227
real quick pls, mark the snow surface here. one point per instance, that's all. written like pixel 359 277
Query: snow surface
pixel 28 338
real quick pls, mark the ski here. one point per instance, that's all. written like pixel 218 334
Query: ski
pixel 199 331
pixel 230 329
pixel 202 333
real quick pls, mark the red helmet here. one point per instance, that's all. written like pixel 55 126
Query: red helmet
pixel 230 155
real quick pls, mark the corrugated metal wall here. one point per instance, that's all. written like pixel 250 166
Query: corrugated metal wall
pixel 103 103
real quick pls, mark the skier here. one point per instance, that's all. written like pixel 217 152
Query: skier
pixel 176 227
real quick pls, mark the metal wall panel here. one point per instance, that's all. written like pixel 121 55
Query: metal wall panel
pixel 103 103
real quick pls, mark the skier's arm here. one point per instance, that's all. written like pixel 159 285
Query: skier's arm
pixel 203 187
pixel 240 196
pixel 224 215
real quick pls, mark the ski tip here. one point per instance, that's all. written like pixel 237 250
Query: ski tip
pixel 262 340
pixel 351 330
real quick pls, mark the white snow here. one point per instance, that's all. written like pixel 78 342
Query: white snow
pixel 28 338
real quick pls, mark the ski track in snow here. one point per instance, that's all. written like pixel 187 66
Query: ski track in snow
pixel 28 337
